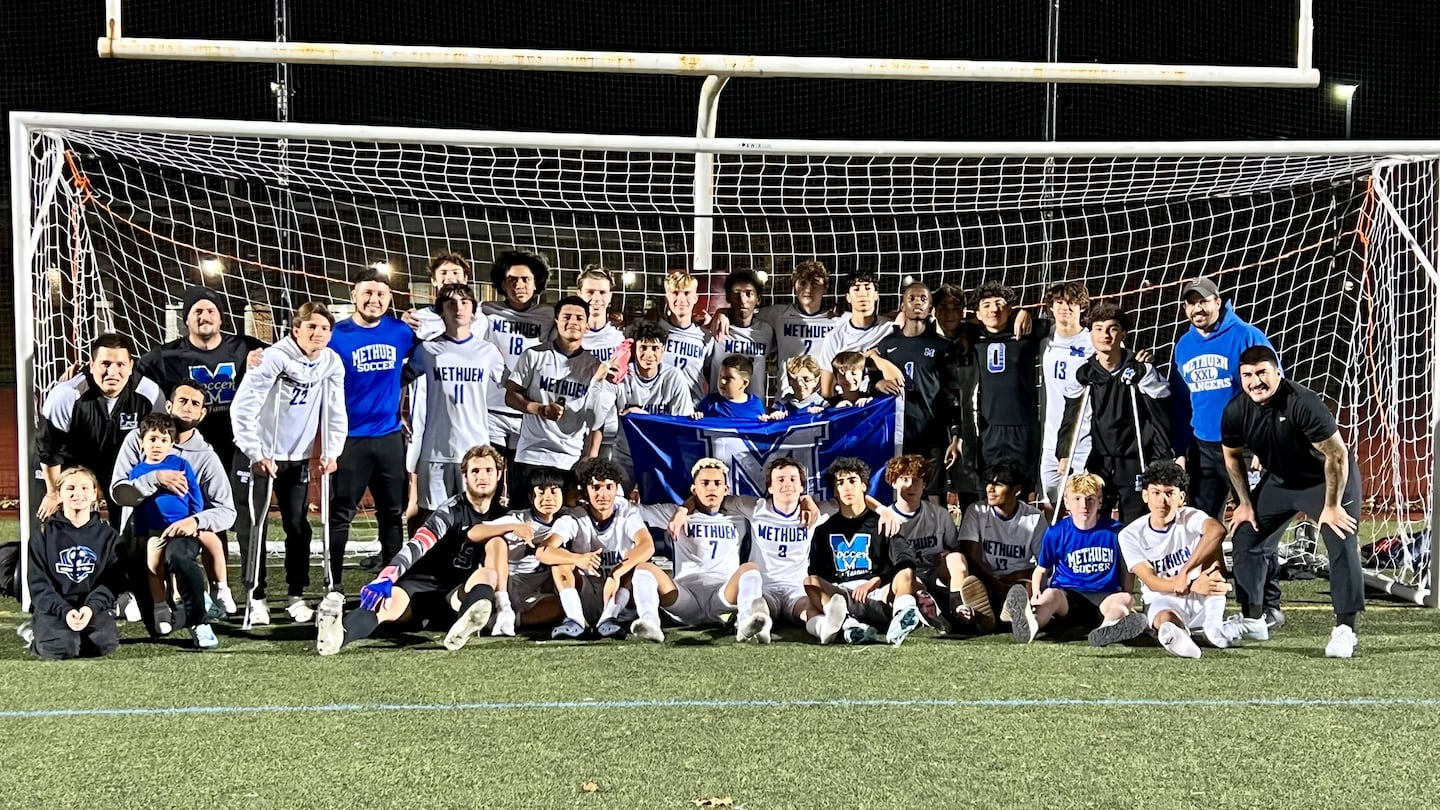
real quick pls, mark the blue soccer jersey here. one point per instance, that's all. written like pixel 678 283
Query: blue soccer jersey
pixel 1083 559
pixel 373 358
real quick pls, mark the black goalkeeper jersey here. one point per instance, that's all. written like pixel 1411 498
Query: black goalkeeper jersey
pixel 1009 375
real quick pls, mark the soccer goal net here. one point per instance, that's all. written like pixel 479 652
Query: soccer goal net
pixel 1331 254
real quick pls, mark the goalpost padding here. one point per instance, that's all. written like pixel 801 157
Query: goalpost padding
pixel 1330 253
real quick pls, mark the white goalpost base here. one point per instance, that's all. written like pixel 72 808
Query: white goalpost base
pixel 1329 247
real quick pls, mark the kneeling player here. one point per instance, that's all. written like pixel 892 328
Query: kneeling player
pixel 438 575
pixel 930 530
pixel 1175 551
pixel 1088 581
pixel 710 580
pixel 859 578
pixel 1000 538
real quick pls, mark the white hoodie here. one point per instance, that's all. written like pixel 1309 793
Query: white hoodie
pixel 278 406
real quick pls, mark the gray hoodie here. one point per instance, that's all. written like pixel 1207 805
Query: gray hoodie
pixel 219 512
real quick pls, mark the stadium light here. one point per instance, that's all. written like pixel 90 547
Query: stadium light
pixel 382 267
pixel 762 276
pixel 1345 94
pixel 628 278
pixel 212 266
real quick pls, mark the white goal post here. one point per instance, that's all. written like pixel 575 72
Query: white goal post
pixel 1329 247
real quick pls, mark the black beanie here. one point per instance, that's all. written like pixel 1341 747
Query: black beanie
pixel 196 294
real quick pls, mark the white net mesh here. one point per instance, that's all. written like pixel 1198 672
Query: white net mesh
pixel 1326 254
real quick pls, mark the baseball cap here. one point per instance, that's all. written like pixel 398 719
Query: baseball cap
pixel 1203 285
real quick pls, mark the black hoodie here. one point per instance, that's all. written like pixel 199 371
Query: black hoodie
pixel 72 566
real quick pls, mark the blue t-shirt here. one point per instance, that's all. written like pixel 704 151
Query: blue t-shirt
pixel 374 358
pixel 1083 560
pixel 165 507
pixel 716 405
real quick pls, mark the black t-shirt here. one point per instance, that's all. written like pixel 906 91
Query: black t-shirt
pixel 1282 433
pixel 1009 369
pixel 217 370
pixel 843 549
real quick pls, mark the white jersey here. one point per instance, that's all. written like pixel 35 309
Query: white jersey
pixel 686 351
pixel 796 333
pixel 460 380
pixel 779 542
pixel 431 325
pixel 1060 358
pixel 931 532
pixel 667 393
pixel 278 406
pixel 756 341
pixel 548 375
pixel 1166 550
pixel 522 553
pixel 1007 544
pixel 613 539
pixel 513 331
pixel 602 342
pixel 712 546
pixel 847 337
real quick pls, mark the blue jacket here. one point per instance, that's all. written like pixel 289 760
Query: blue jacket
pixel 1207 375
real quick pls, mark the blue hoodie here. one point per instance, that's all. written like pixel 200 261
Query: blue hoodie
pixel 1207 373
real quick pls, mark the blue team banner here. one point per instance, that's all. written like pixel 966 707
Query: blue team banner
pixel 664 447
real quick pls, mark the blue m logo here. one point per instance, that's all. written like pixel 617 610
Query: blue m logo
pixel 76 563
pixel 748 455
pixel 851 554
pixel 219 382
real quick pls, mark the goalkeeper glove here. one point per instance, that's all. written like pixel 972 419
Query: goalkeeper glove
pixel 378 591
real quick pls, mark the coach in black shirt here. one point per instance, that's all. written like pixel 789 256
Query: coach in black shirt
pixel 1307 469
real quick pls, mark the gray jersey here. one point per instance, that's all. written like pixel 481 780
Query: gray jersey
pixel 522 553
pixel 667 393
pixel 756 341
pixel 1007 544
pixel 602 342
pixel 284 402
pixel 686 351
pixel 460 379
pixel 513 331
pixel 931 532
pixel 847 337
pixel 548 375
pixel 796 333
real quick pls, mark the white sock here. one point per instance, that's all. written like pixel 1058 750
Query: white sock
pixel 902 602
pixel 812 626
pixel 750 584
pixel 1213 611
pixel 850 622
pixel 647 596
pixel 570 603
pixel 502 600
pixel 1109 622
pixel 612 608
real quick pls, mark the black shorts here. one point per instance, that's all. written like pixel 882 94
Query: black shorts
pixel 874 612
pixel 1010 443
pixel 1083 607
pixel 430 597
pixel 528 588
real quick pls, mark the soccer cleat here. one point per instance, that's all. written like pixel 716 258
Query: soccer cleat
pixel 859 634
pixel 611 629
pixel 647 630
pixel 568 629
pixel 204 637
pixel 1223 634
pixel 902 624
pixel 163 618
pixel 1129 626
pixel 300 612
pixel 1023 625
pixel 1342 642
pixel 26 632
pixel 259 612
pixel 504 623
pixel 975 595
pixel 930 612
pixel 834 619
pixel 226 600
pixel 759 619
pixel 329 630
pixel 763 635
pixel 127 608
pixel 1274 618
pixel 1239 628
pixel 472 621
pixel 1177 641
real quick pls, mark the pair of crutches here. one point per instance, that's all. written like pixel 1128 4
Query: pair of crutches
pixel 1059 509
pixel 258 521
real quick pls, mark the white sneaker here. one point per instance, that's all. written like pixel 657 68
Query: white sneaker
pixel 1342 642
pixel 259 612
pixel 1222 634
pixel 647 630
pixel 226 600
pixel 329 630
pixel 127 607
pixel 204 637
pixel 902 624
pixel 472 621
pixel 759 619
pixel 504 623
pixel 1237 628
pixel 834 618
pixel 299 611
pixel 1176 640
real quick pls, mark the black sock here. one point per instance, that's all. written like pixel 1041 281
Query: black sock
pixel 1347 619
pixel 476 594
pixel 359 624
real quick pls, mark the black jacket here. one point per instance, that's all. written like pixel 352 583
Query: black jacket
pixel 1114 397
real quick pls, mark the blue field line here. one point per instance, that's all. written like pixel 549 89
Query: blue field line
pixel 835 703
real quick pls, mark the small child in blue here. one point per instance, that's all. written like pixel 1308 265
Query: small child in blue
pixel 732 399
pixel 803 372
pixel 1089 582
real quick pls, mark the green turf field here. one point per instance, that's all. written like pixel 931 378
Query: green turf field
pixel 400 722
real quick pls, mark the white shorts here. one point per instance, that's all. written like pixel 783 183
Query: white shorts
pixel 434 481
pixel 785 600
pixel 700 601
pixel 1194 610
pixel 1050 477
pixel 504 429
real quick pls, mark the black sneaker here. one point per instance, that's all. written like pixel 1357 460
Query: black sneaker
pixel 610 629
pixel 1132 626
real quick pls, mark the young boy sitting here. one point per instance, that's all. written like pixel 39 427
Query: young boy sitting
pixel 732 399
pixel 804 375
pixel 848 369
pixel 152 524
pixel 1088 581
pixel 1175 551
pixel 72 562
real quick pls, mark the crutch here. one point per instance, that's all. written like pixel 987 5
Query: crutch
pixel 330 584
pixel 258 518
pixel 1057 512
